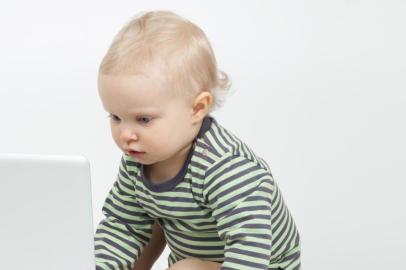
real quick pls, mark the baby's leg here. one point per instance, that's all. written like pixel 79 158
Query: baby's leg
pixel 195 264
pixel 152 250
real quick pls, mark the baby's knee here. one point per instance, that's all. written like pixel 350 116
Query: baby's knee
pixel 194 264
pixel 184 264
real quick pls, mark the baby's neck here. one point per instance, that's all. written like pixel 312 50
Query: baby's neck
pixel 165 170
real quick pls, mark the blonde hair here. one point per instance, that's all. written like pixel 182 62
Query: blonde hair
pixel 163 43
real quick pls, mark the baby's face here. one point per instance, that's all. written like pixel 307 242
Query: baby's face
pixel 145 117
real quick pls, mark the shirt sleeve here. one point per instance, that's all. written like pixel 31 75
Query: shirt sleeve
pixel 239 191
pixel 126 228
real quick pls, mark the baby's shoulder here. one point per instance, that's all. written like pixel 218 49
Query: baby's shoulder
pixel 220 147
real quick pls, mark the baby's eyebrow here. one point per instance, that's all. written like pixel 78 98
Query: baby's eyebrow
pixel 146 110
pixel 138 113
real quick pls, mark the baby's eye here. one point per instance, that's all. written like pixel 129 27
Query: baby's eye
pixel 114 118
pixel 145 119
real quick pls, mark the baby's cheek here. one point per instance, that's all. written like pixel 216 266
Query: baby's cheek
pixel 115 135
pixel 165 148
pixel 161 145
pixel 115 139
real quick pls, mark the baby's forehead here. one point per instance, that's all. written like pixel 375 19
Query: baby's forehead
pixel 146 89
pixel 141 82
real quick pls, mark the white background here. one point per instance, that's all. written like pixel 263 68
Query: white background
pixel 318 91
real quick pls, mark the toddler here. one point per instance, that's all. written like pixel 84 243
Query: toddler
pixel 183 180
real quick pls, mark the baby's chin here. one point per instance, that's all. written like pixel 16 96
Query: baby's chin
pixel 141 160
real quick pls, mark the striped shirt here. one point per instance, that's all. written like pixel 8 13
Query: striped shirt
pixel 222 206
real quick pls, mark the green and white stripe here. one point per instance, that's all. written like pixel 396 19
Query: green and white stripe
pixel 226 208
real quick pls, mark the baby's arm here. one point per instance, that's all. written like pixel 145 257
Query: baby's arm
pixel 153 250
pixel 239 194
pixel 126 229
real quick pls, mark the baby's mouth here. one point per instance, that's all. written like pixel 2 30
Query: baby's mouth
pixel 132 152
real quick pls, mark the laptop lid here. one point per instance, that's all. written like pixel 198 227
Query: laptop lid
pixel 45 213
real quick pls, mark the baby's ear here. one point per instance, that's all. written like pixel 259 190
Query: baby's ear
pixel 202 104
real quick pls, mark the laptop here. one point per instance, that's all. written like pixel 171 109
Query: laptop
pixel 45 213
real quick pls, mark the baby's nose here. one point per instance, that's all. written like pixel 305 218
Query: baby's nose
pixel 127 134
